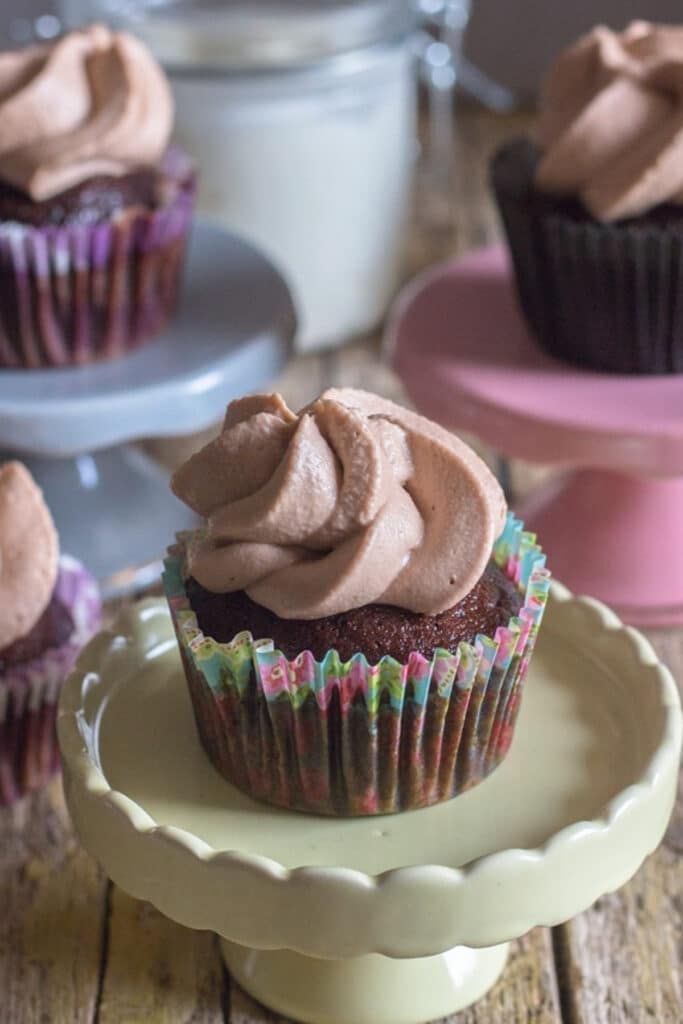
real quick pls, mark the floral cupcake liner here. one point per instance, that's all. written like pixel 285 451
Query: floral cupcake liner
pixel 349 738
pixel 606 297
pixel 83 292
pixel 29 691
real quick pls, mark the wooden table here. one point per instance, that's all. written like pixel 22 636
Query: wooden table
pixel 74 948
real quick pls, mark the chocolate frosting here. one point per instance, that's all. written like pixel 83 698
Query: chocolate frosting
pixel 94 102
pixel 611 121
pixel 29 553
pixel 356 500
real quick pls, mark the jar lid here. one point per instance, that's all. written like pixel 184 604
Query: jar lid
pixel 236 35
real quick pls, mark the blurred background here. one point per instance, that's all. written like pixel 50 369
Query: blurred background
pixel 302 117
pixel 499 40
pixel 514 41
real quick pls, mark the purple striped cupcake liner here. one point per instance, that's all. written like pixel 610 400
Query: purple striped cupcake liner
pixel 350 738
pixel 80 293
pixel 29 691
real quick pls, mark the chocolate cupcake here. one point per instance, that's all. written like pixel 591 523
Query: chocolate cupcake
pixel 95 208
pixel 593 211
pixel 49 607
pixel 356 619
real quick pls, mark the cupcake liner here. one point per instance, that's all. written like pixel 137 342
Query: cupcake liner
pixel 83 292
pixel 349 738
pixel 606 297
pixel 29 691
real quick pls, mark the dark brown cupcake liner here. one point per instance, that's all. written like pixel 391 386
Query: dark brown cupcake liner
pixel 29 755
pixel 84 292
pixel 606 297
pixel 349 738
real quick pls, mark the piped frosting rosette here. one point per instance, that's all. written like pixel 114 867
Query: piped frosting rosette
pixel 348 737
pixel 92 103
pixel 610 121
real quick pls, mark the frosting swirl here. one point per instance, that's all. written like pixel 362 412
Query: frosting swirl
pixel 94 102
pixel 354 501
pixel 29 553
pixel 611 121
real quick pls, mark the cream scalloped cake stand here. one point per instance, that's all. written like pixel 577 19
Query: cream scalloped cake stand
pixel 389 920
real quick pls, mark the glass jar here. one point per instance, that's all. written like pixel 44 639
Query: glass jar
pixel 301 116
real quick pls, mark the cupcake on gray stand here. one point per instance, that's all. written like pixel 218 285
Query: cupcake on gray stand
pixel 95 206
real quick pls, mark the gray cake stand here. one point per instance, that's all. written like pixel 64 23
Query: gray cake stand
pixel 233 332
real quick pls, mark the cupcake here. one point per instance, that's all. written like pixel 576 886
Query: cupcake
pixel 49 607
pixel 593 211
pixel 356 618
pixel 95 208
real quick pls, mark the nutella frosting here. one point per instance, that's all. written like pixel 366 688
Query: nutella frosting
pixel 611 121
pixel 29 553
pixel 94 102
pixel 354 501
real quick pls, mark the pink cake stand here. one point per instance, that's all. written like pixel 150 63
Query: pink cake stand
pixel 613 524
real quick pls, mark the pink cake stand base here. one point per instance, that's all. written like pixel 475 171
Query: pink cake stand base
pixel 599 531
pixel 613 524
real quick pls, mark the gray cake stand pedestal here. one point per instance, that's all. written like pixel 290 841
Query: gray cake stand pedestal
pixel 232 333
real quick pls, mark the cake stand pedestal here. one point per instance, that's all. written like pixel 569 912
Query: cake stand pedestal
pixel 613 526
pixel 232 333
pixel 385 920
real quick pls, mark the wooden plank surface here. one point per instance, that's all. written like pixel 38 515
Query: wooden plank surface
pixel 73 949
pixel 52 902
pixel 158 971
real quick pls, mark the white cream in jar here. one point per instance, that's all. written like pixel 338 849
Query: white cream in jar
pixel 302 118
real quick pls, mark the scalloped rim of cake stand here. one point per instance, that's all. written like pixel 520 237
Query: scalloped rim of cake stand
pixel 268 906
